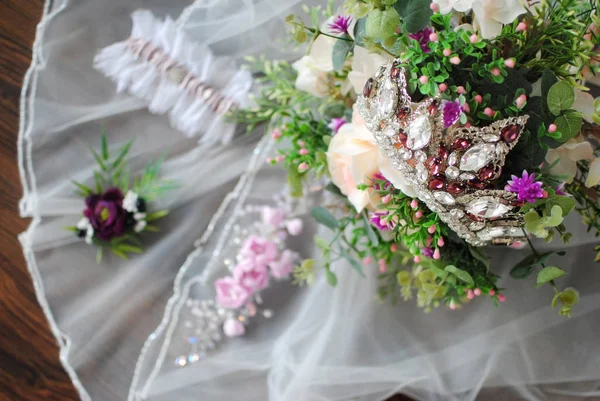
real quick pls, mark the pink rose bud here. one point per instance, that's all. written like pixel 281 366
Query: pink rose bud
pixel 492 293
pixel 552 128
pixel 276 134
pixel 382 266
pixel 461 90
pixel 466 107
pixel 436 254
pixel 367 260
pixel 429 241
pixel 386 199
pixel 423 80
pixel 452 305
pixel 300 143
pixel 414 204
pixel 303 151
pixel 434 7
pixel 447 52
pixel 521 27
pixel 302 167
pixel 394 247
pixel 470 294
pixel 419 214
pixel 544 194
pixel 510 63
pixel 431 229
pixel 433 37
pixel 477 291
pixel 501 298
pixel 441 242
pixel 455 60
pixel 478 98
pixel 521 100
pixel 294 226
pixel 233 328
pixel 473 38
pixel 280 158
pixel 417 259
pixel 496 71
pixel 489 112
pixel 442 87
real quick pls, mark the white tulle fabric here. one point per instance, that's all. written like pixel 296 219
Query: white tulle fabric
pixel 120 324
pixel 189 112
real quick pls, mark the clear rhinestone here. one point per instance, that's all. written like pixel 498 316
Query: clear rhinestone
pixel 422 173
pixel 495 232
pixel 405 154
pixel 193 358
pixel 181 361
pixel 477 157
pixel 476 225
pixel 452 172
pixel 421 156
pixel 453 159
pixel 490 137
pixel 487 207
pixel 419 133
pixel 467 176
pixel 389 131
pixel 457 213
pixel 444 198
pixel 386 100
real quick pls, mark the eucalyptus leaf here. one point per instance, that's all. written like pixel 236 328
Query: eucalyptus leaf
pixel 479 254
pixel 353 262
pixel 370 232
pixel 561 96
pixel 415 14
pixel 465 277
pixel 360 31
pixel 323 216
pixel 566 203
pixel 524 268
pixel 382 24
pixel 569 124
pixel 548 274
pixel 341 49
pixel 331 277
pixel 321 243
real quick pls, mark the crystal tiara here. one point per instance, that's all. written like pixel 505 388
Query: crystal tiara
pixel 452 170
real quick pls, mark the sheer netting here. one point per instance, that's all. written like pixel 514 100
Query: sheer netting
pixel 119 342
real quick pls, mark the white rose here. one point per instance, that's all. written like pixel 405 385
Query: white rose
pixel 584 103
pixel 593 177
pixel 321 52
pixel 490 15
pixel 446 6
pixel 568 155
pixel 310 78
pixel 364 66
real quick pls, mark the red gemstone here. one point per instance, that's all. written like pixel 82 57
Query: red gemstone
pixel 474 218
pixel 433 108
pixel 400 139
pixel 395 72
pixel 487 173
pixel 456 188
pixel 510 133
pixel 402 113
pixel 437 182
pixel 461 144
pixel 442 153
pixel 435 165
pixel 368 88
pixel 476 183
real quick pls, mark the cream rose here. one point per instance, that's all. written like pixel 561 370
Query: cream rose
pixel 364 66
pixel 313 68
pixel 593 177
pixel 568 155
pixel 354 158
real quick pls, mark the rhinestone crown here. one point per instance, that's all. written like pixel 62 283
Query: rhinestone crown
pixel 453 169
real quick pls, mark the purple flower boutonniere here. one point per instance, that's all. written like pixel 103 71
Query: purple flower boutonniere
pixel 116 211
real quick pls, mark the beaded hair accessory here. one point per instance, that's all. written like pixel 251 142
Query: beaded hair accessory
pixel 453 168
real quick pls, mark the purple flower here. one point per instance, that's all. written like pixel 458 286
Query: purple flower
pixel 382 221
pixel 340 24
pixel 560 190
pixel 452 112
pixel 380 183
pixel 106 214
pixel 427 252
pixel 526 188
pixel 422 37
pixel 336 124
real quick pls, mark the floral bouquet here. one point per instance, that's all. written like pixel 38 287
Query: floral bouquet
pixel 441 127
pixel 117 212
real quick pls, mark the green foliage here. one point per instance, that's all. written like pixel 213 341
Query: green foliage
pixel 323 216
pixel 415 14
pixel 548 274
pixel 561 97
pixel 381 24
pixel 524 268
pixel 568 299
pixel 341 48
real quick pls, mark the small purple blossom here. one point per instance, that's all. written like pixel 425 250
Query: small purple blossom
pixel 340 24
pixel 427 252
pixel 380 183
pixel 422 37
pixel 336 124
pixel 452 112
pixel 560 190
pixel 382 221
pixel 526 188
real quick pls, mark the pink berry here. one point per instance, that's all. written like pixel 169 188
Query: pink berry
pixel 441 242
pixel 300 143
pixel 280 158
pixel 477 292
pixel 468 125
pixel 501 298
pixel 492 293
pixel 489 112
pixel 442 87
pixel 414 204
pixel 269 160
pixel 367 260
pixel 447 52
pixel 470 294
pixel 452 305
pixel 382 266
pixel 478 98
pixel 433 37
pixel 419 214
pixel 434 7
pixel 461 90
pixel 302 167
pixel 431 229
pixel 394 247
pixel 544 194
pixel 417 259
pixel 552 128
pixel 429 241
pixel 510 63
pixel 466 107
pixel 455 60
pixel 473 38
pixel 276 134
pixel 424 79
pixel 521 100
pixel 303 151
pixel 436 254
pixel 496 71
pixel 386 199
pixel 521 27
